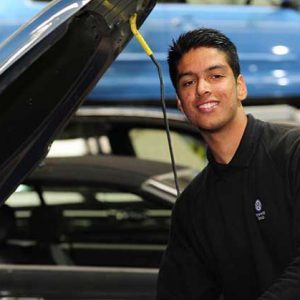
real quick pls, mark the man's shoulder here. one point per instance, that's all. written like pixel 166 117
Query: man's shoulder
pixel 280 135
pixel 195 188
pixel 281 143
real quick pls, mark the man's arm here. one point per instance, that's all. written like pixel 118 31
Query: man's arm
pixel 287 286
pixel 183 273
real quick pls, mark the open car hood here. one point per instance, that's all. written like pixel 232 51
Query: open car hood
pixel 46 70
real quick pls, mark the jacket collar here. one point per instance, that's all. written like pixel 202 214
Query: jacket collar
pixel 245 150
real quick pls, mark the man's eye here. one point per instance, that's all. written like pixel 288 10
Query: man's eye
pixel 216 76
pixel 187 83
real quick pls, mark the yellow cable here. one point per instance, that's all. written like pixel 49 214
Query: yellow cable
pixel 138 36
pixel 149 52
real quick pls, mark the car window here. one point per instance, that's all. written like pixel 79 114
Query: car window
pixel 144 143
pixel 78 198
pixel 26 196
pixel 152 144
pixel 115 197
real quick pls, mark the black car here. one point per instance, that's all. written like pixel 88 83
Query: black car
pixel 98 222
pixel 92 211
pixel 46 70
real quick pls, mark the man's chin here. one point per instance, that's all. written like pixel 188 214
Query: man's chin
pixel 211 128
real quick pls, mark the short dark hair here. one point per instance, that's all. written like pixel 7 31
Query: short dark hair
pixel 202 37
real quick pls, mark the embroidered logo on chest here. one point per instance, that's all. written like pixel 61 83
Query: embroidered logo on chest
pixel 259 211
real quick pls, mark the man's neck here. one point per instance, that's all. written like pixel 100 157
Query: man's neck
pixel 224 143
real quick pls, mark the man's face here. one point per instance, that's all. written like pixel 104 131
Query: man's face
pixel 207 91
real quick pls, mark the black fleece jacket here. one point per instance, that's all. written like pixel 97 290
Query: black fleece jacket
pixel 236 228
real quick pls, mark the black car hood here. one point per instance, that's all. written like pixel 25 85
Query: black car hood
pixel 46 70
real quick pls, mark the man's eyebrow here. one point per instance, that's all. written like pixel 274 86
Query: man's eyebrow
pixel 216 67
pixel 211 68
pixel 180 75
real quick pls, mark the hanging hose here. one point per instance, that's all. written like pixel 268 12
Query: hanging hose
pixel 149 52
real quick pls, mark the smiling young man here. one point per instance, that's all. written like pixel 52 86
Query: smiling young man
pixel 235 229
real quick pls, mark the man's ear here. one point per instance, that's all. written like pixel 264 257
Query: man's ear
pixel 179 105
pixel 241 88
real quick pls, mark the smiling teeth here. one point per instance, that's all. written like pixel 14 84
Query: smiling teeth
pixel 207 105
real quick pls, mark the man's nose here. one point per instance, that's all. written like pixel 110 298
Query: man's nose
pixel 203 87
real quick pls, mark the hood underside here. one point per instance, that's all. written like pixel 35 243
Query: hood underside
pixel 46 70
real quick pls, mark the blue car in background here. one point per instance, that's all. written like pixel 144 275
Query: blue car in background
pixel 266 33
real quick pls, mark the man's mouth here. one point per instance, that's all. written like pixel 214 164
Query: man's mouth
pixel 207 106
